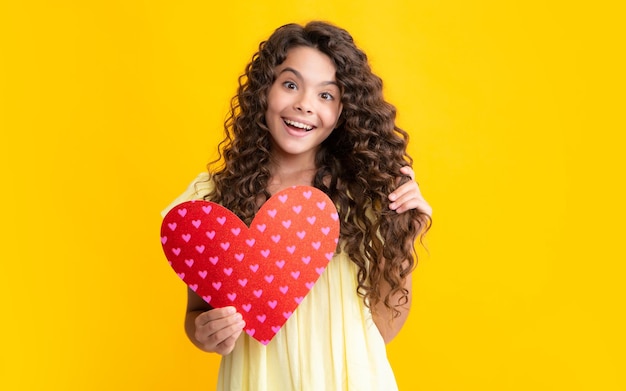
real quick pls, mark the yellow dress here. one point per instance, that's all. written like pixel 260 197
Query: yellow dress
pixel 329 343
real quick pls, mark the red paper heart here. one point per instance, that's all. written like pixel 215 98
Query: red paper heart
pixel 264 270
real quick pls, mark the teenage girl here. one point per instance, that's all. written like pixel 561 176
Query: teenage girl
pixel 309 111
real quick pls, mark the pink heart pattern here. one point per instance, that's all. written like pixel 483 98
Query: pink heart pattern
pixel 264 270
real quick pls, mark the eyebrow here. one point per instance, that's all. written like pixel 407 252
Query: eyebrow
pixel 299 76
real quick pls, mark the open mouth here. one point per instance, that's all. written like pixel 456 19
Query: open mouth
pixel 298 125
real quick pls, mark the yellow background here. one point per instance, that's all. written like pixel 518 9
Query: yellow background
pixel 109 108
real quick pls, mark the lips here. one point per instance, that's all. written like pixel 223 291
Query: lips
pixel 297 125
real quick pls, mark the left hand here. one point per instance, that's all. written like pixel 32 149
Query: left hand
pixel 408 196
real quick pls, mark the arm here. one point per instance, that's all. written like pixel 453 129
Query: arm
pixel 405 197
pixel 212 329
pixel 388 326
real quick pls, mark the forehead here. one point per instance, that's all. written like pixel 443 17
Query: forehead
pixel 310 63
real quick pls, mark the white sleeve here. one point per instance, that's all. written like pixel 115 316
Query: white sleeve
pixel 197 189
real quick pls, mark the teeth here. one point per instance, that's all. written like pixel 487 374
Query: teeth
pixel 298 125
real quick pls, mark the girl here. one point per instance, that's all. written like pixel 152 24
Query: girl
pixel 309 111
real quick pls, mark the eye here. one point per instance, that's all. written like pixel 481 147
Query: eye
pixel 326 96
pixel 290 85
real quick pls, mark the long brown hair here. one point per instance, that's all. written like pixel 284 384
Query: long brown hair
pixel 357 165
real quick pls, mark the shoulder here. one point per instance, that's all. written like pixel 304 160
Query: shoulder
pixel 197 189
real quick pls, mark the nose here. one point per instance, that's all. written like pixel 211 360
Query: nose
pixel 303 104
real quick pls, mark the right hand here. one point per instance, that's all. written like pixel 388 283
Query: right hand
pixel 217 330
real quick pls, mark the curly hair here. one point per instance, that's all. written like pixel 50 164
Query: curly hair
pixel 357 166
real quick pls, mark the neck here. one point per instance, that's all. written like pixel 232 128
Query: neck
pixel 290 171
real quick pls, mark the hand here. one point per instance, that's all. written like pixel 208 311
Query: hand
pixel 217 330
pixel 408 196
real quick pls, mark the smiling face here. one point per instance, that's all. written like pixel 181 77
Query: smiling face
pixel 304 104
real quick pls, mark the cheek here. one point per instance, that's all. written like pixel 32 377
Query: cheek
pixel 273 97
pixel 333 116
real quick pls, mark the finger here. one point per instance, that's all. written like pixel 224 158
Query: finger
pixel 406 204
pixel 214 314
pixel 226 346
pixel 217 325
pixel 403 190
pixel 414 203
pixel 410 199
pixel 407 170
pixel 215 339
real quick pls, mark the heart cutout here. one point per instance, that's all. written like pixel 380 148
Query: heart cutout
pixel 264 270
